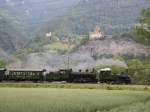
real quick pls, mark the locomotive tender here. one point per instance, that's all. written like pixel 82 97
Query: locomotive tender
pixel 67 75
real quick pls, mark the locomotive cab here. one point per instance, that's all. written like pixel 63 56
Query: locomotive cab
pixel 105 75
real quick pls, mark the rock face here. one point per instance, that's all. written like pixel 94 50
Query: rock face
pixel 111 46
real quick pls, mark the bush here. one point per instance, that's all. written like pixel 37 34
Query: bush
pixel 118 57
pixel 84 40
pixel 139 72
pixel 2 64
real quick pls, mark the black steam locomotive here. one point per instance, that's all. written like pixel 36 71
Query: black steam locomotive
pixel 103 76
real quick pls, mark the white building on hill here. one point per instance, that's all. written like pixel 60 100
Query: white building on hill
pixel 97 34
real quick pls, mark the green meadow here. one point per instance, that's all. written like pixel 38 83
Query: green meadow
pixel 72 100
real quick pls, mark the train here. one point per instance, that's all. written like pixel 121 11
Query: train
pixel 65 75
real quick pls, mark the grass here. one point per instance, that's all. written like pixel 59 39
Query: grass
pixel 57 46
pixel 77 86
pixel 72 100
pixel 137 107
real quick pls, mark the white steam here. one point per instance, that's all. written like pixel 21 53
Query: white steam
pixel 52 61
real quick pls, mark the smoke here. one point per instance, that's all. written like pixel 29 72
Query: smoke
pixel 53 62
pixel 84 61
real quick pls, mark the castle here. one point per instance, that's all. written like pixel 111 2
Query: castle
pixel 97 34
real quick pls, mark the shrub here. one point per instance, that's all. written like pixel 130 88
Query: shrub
pixel 139 72
pixel 2 63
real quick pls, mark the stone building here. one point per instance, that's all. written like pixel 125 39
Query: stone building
pixel 97 34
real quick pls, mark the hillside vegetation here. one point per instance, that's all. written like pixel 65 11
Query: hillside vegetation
pixel 34 13
pixel 24 44
pixel 141 33
pixel 63 18
pixel 113 16
pixel 11 33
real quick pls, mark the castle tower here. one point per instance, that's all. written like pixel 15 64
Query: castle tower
pixel 97 34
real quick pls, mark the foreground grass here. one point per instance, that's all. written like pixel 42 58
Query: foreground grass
pixel 77 86
pixel 72 100
pixel 137 107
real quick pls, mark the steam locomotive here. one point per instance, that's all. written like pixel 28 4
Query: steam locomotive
pixel 65 75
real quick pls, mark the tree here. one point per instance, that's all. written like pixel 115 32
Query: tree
pixel 146 78
pixel 141 33
pixel 139 72
pixel 134 67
